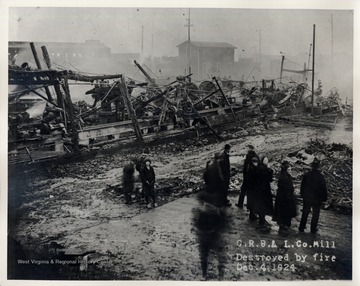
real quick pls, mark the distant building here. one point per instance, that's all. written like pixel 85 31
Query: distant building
pixel 89 56
pixel 206 59
pixel 63 50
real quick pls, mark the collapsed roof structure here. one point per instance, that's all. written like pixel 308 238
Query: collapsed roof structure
pixel 54 125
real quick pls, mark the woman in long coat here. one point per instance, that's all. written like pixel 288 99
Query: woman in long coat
pixel 263 204
pixel 285 205
pixel 128 181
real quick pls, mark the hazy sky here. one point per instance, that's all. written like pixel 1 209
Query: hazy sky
pixel 289 31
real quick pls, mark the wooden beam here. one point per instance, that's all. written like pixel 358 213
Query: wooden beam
pixel 206 97
pixel 147 76
pixel 226 100
pixel 296 71
pixel 59 95
pixel 43 97
pixel 21 81
pixel 162 114
pixel 130 109
pixel 79 77
pixel 56 86
pixel 38 64
pixel 31 74
pixel 70 107
pixel 142 104
pixel 97 108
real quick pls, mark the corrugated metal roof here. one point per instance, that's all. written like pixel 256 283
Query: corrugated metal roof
pixel 209 44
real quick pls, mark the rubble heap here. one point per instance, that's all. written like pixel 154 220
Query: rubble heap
pixel 336 166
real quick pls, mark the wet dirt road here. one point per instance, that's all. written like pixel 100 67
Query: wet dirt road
pixel 68 204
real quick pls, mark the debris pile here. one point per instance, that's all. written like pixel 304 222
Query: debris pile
pixel 336 166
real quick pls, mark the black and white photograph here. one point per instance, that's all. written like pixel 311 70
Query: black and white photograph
pixel 179 143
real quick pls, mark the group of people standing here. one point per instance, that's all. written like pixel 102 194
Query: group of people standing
pixel 257 178
pixel 210 217
pixel 147 177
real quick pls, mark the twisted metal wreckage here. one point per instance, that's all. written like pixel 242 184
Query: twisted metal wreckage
pixel 155 112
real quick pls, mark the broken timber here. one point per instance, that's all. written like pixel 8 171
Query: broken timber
pixel 60 97
pixel 130 109
pixel 38 64
pixel 79 77
pixel 226 100
pixel 74 132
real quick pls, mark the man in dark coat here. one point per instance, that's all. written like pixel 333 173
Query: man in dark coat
pixel 128 181
pixel 243 190
pixel 253 186
pixel 139 165
pixel 214 182
pixel 285 205
pixel 148 183
pixel 314 192
pixel 225 169
pixel 263 198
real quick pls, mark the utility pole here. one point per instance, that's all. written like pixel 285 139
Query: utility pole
pixel 189 43
pixel 313 73
pixel 282 66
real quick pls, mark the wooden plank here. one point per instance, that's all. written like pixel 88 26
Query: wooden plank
pixel 59 95
pixel 130 109
pixel 226 100
pixel 74 132
pixel 79 77
pixel 30 81
pixel 38 64
pixel 20 73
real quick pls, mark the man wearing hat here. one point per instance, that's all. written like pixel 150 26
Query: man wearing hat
pixel 251 154
pixel 148 183
pixel 225 170
pixel 314 192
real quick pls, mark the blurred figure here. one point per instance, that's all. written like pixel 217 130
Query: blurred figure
pixel 214 181
pixel 314 192
pixel 243 190
pixel 128 181
pixel 225 169
pixel 285 205
pixel 210 219
pixel 263 199
pixel 148 184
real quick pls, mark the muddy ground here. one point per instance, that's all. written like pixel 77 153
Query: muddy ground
pixel 67 222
